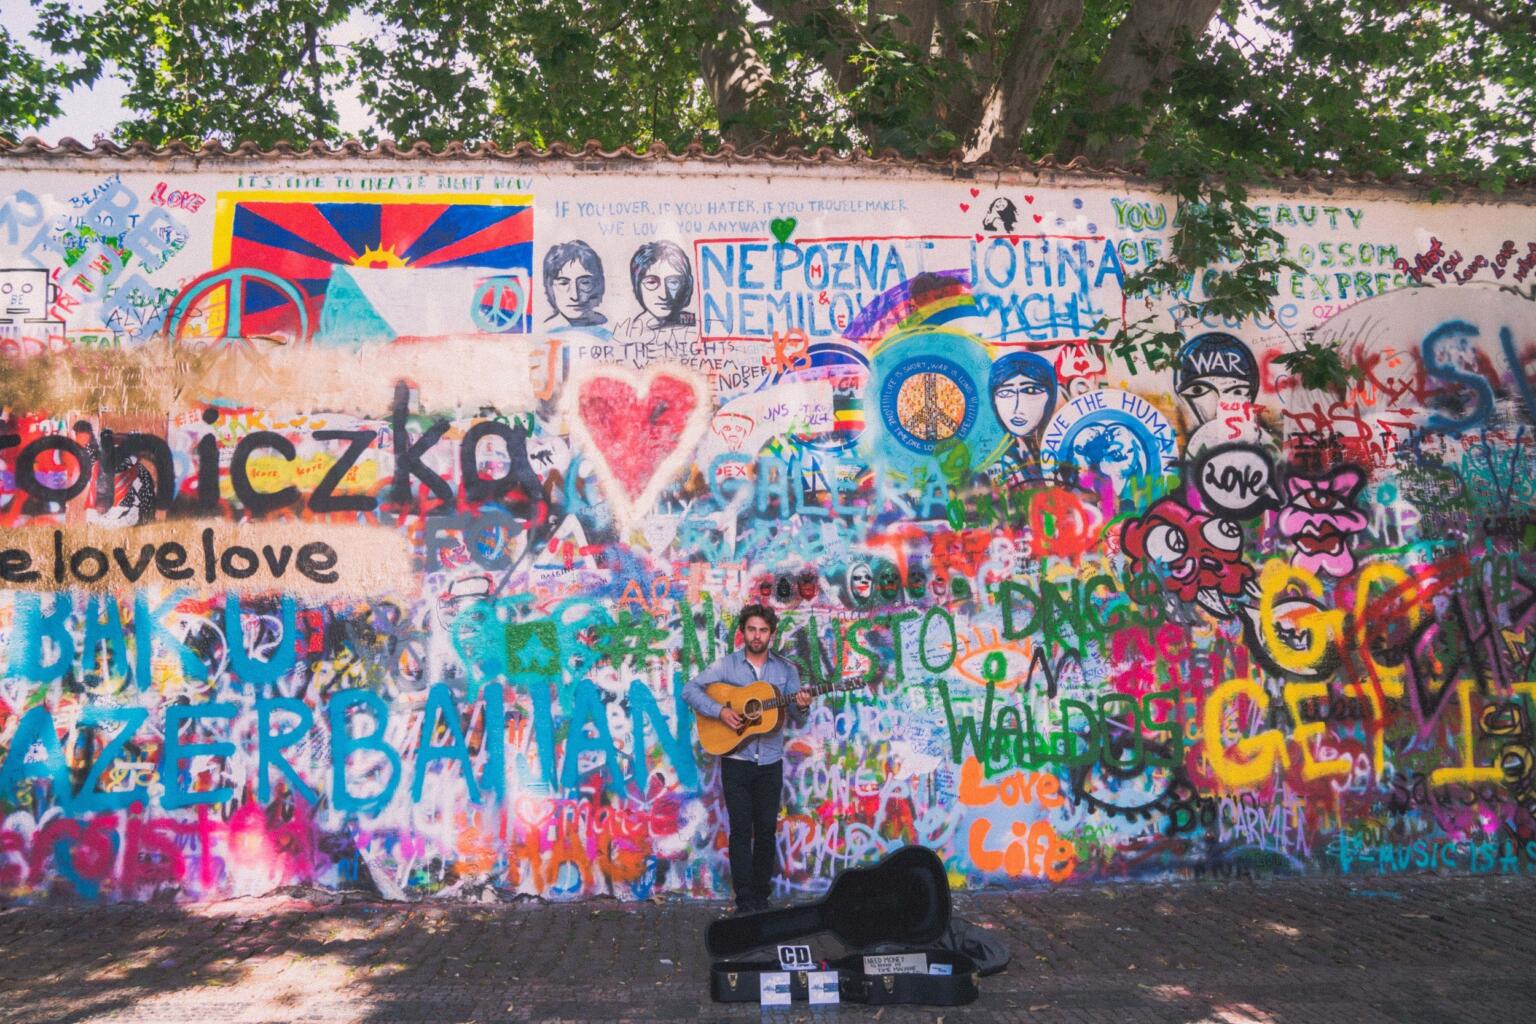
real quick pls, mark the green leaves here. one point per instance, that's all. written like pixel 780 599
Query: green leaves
pixel 1354 88
pixel 196 69
pixel 1320 367
pixel 1409 87
pixel 1224 260
pixel 547 71
pixel 29 89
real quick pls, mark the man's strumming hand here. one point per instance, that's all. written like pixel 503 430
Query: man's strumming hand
pixel 731 719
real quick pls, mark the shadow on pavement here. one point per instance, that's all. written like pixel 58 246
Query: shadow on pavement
pixel 1280 952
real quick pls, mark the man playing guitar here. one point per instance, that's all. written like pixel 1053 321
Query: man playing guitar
pixel 751 775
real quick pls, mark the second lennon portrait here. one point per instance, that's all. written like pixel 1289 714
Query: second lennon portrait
pixel 662 276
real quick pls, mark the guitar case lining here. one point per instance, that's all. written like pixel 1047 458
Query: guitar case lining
pixel 740 981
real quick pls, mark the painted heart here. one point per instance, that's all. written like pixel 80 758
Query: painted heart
pixel 1038 218
pixel 975 192
pixel 782 227
pixel 638 429
pixel 980 237
pixel 964 207
pixel 1029 199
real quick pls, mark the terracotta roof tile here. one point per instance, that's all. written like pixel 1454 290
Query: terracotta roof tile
pixel 33 147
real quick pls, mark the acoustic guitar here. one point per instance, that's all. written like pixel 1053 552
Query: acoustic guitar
pixel 904 898
pixel 759 704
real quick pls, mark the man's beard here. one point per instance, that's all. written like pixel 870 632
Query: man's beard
pixel 757 648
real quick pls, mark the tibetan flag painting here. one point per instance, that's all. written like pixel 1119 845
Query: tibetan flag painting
pixel 469 251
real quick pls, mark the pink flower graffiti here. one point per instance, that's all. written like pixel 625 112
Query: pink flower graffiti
pixel 1320 517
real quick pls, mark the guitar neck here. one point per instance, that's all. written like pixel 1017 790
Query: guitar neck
pixel 732 936
pixel 841 686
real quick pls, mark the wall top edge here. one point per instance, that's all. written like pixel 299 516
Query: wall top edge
pixel 591 157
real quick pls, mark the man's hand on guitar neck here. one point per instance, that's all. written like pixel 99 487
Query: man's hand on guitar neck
pixel 802 700
pixel 731 718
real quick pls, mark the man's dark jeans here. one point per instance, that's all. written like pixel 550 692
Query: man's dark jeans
pixel 752 804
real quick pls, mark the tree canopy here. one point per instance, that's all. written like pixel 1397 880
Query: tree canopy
pixel 1206 94
pixel 1409 86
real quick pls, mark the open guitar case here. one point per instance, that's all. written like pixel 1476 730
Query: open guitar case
pixel 900 905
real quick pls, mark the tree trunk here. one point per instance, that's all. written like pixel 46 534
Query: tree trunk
pixel 1009 99
pixel 734 74
pixel 958 106
pixel 1143 54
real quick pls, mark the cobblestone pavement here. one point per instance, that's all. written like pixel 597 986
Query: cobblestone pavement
pixel 1276 952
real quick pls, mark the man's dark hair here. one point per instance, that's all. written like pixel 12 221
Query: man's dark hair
pixel 757 611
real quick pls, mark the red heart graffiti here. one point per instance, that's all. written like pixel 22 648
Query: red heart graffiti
pixel 1038 218
pixel 975 192
pixel 1029 199
pixel 634 436
pixel 964 207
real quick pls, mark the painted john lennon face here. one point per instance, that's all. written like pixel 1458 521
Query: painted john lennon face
pixel 1020 403
pixel 574 290
pixel 662 289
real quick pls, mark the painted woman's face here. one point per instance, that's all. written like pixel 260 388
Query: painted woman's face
pixel 1020 403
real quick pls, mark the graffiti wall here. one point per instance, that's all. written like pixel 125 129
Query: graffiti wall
pixel 361 523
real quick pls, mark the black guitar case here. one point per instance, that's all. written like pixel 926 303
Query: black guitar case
pixel 903 899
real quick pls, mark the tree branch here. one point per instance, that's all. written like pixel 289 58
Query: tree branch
pixel 1004 108
pixel 958 107
pixel 316 79
pixel 1142 56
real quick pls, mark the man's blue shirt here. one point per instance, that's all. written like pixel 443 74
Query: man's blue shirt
pixel 735 669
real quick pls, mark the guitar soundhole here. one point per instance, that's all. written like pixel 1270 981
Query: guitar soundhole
pixel 753 711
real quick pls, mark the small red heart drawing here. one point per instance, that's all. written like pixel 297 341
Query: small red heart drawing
pixel 979 237
pixel 964 207
pixel 975 192
pixel 638 441
pixel 1038 218
pixel 1029 199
